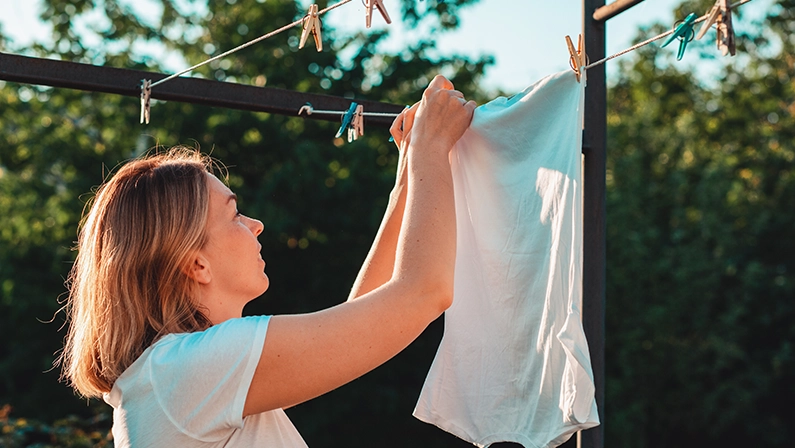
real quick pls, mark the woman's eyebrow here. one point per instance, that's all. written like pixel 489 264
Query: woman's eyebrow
pixel 231 198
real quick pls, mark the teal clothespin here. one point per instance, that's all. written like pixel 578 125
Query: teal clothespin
pixel 685 34
pixel 347 119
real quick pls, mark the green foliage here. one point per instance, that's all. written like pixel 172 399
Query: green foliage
pixel 71 431
pixel 701 276
pixel 58 147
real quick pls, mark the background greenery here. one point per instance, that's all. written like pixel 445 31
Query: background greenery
pixel 701 206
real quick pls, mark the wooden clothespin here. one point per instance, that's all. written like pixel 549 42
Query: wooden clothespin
pixel 312 25
pixel 721 16
pixel 146 93
pixel 356 129
pixel 368 8
pixel 578 56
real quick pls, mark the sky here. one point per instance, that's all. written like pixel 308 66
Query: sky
pixel 526 37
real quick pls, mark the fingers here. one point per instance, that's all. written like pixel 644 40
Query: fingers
pixel 397 128
pixel 403 124
pixel 411 113
pixel 439 82
pixel 441 116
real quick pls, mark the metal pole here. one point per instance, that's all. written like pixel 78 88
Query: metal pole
pixel 594 210
pixel 72 75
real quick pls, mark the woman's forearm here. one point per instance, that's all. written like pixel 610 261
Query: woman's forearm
pixel 426 247
pixel 379 265
pixel 416 240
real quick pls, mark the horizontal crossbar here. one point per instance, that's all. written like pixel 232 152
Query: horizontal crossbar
pixel 92 78
pixel 607 12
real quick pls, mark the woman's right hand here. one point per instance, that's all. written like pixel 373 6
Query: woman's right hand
pixel 437 121
pixel 442 117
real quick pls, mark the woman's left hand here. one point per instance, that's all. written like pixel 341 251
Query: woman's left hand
pixel 402 125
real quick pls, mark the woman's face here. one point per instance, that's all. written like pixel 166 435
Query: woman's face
pixel 232 251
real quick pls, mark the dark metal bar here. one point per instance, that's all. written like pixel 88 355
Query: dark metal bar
pixel 594 211
pixel 127 82
pixel 605 13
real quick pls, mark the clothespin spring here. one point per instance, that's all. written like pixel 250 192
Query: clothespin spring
pixel 571 63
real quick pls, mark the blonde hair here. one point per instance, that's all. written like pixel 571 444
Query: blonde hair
pixel 129 285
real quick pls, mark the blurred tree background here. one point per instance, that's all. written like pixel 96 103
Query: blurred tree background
pixel 701 205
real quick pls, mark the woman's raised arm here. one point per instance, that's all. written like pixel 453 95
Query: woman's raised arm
pixel 310 354
pixel 379 265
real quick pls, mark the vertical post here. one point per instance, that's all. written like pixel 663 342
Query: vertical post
pixel 594 209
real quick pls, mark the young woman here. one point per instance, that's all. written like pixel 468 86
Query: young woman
pixel 166 264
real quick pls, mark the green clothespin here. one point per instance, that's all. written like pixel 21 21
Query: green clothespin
pixel 684 32
pixel 347 119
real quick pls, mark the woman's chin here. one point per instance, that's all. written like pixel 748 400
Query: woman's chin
pixel 267 284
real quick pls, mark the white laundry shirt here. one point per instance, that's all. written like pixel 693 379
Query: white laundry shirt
pixel 513 365
pixel 189 389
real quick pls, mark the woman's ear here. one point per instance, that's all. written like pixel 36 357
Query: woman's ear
pixel 199 269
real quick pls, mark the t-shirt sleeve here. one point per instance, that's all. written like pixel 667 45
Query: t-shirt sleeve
pixel 201 379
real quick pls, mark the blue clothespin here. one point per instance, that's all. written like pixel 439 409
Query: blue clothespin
pixel 685 34
pixel 347 119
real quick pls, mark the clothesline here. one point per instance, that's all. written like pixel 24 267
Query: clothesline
pixel 249 43
pixel 655 38
pixel 343 2
pixel 147 85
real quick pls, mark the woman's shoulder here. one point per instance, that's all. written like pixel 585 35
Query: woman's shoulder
pixel 229 339
pixel 220 348
pixel 221 344
pixel 229 328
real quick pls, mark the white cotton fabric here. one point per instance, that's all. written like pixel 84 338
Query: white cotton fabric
pixel 513 365
pixel 188 390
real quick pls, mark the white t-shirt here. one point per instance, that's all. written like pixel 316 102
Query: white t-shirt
pixel 189 389
pixel 513 365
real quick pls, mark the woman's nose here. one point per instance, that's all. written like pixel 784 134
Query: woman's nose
pixel 256 226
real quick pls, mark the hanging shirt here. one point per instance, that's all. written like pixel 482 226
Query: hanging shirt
pixel 189 389
pixel 513 365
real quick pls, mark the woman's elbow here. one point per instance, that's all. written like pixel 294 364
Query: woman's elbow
pixel 440 293
pixel 431 293
pixel 446 301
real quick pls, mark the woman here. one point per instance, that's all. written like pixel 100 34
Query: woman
pixel 166 264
